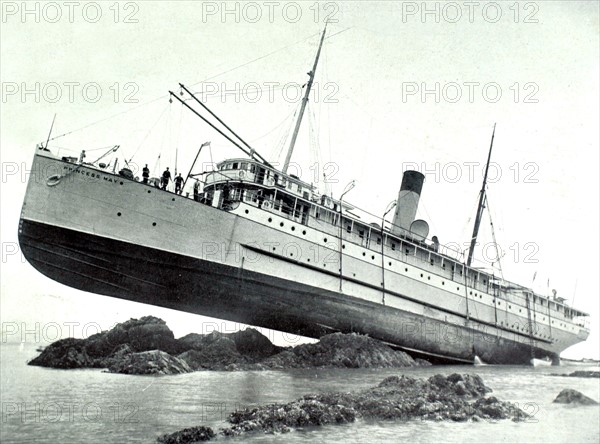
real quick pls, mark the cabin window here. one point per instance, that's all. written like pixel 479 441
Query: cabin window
pixel 348 228
pixel 378 241
pixel 316 215
pixel 243 166
pixel 393 246
pixel 235 165
pixel 253 168
pixel 361 234
pixel 299 188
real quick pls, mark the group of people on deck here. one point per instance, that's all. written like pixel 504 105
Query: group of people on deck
pixel 164 180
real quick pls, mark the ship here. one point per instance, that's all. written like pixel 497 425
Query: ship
pixel 256 245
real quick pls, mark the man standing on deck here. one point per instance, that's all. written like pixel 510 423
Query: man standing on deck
pixel 145 174
pixel 197 190
pixel 178 183
pixel 166 177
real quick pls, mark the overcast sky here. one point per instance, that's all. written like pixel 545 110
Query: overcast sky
pixel 397 87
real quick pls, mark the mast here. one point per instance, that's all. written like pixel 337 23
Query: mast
pixel 311 77
pixel 481 206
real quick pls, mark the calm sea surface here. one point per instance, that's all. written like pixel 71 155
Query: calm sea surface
pixel 75 406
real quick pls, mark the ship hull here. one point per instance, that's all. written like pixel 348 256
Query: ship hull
pixel 98 235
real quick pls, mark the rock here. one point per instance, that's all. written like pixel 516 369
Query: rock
pixel 106 348
pixel 155 362
pixel 190 435
pixel 570 396
pixel 400 398
pixel 243 350
pixel 216 355
pixel 66 354
pixel 144 334
pixel 581 374
pixel 253 344
pixel 249 343
pixel 342 351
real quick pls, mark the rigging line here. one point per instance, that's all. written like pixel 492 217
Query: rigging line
pixel 255 60
pixel 150 131
pixel 109 117
pixel 278 150
pixel 208 78
pixel 178 135
pixel 212 163
pixel 269 54
pixel 162 140
pixel 201 93
pixel 276 127
pixel 489 211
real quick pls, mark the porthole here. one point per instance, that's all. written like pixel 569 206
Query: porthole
pixel 421 274
pixel 246 211
pixel 281 224
pixel 273 248
pixel 293 228
pixel 325 240
pixel 270 220
pixel 149 191
pixel 308 260
pixel 343 246
pixel 428 278
pixel 121 183
pixel 153 224
pixel 364 254
pixel 173 199
pixel 457 288
pixel 443 283
pixel 304 232
pixel 406 270
pixel 118 214
pixel 373 257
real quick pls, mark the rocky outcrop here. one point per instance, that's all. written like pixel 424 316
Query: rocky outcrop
pixel 155 362
pixel 189 435
pixel 341 350
pixel 66 354
pixel 580 374
pixel 439 398
pixel 218 354
pixel 144 334
pixel 221 351
pixel 101 350
pixel 570 396
pixel 123 349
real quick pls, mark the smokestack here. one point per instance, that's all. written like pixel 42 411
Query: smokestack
pixel 408 201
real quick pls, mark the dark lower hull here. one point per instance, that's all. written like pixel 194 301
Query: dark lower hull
pixel 128 271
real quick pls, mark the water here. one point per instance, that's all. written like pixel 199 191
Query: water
pixel 73 406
